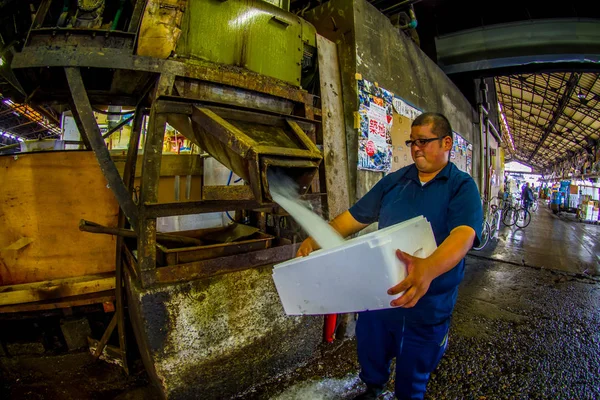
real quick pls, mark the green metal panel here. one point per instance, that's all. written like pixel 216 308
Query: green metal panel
pixel 252 34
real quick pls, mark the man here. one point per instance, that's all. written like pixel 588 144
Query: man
pixel 415 330
pixel 527 196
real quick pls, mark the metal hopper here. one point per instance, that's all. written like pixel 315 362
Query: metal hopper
pixel 249 143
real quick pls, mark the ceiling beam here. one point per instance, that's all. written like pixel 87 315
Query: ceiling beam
pixel 562 104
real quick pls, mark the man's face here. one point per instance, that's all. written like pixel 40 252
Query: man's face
pixel 432 156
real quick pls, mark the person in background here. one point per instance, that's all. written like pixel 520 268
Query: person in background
pixel 415 328
pixel 527 196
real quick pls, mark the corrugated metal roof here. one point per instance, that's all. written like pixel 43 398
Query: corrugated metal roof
pixel 532 103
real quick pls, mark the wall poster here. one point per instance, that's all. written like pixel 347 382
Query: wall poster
pixel 383 121
pixel 462 154
pixel 376 110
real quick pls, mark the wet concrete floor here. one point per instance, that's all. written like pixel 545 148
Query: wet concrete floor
pixel 521 330
pixel 550 241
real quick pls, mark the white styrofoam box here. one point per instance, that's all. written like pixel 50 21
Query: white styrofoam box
pixel 354 276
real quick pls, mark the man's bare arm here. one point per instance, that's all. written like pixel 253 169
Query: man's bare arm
pixel 344 224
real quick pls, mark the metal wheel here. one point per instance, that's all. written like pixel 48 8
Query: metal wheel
pixel 509 216
pixel 523 218
pixel 485 236
pixel 534 206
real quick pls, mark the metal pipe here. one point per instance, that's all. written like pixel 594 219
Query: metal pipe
pixel 92 227
pixel 484 122
pixel 10 146
pixel 481 152
pixel 495 132
pixel 489 157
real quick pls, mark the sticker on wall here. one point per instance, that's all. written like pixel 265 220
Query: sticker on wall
pixel 405 109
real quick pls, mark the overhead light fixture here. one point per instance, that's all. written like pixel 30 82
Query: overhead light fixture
pixel 580 95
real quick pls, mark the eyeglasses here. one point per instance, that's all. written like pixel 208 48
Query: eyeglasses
pixel 422 142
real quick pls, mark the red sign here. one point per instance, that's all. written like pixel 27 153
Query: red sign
pixel 370 148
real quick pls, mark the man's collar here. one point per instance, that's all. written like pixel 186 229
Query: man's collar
pixel 413 173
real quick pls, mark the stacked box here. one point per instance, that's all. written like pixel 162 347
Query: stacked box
pixel 589 210
pixel 574 189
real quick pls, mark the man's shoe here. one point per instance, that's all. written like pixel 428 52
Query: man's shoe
pixel 372 393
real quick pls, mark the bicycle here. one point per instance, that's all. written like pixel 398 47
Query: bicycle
pixel 517 215
pixel 534 205
pixel 522 218
pixel 509 211
pixel 492 215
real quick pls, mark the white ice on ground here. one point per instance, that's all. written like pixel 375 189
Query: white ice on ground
pixel 326 389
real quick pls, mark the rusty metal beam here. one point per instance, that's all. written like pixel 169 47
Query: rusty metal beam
pixel 153 148
pixel 235 192
pixel 208 206
pixel 558 113
pixel 128 181
pixel 201 207
pixel 105 337
pixel 136 16
pixel 23 124
pixel 92 227
pixel 117 127
pixel 123 59
pixel 84 116
pixel 224 265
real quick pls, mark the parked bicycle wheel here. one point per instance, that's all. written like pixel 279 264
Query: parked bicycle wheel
pixel 494 224
pixel 485 236
pixel 523 218
pixel 509 216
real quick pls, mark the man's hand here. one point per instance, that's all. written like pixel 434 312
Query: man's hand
pixel 307 247
pixel 416 283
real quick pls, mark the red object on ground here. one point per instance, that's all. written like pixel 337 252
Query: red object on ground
pixel 330 322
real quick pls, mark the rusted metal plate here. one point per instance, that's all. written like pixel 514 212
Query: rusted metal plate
pixel 42 57
pixel 173 256
pixel 236 192
pixel 224 265
pixel 208 91
pixel 91 38
pixel 249 148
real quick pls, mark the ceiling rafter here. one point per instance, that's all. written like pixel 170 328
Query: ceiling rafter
pixel 570 86
pixel 551 115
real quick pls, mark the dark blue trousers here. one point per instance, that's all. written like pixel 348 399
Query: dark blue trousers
pixel 417 348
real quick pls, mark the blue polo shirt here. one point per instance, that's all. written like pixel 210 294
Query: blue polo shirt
pixel 449 200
